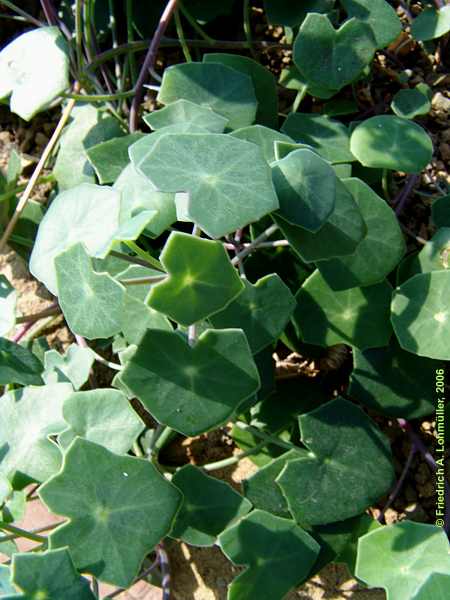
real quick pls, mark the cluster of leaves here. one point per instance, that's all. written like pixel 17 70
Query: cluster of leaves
pixel 194 329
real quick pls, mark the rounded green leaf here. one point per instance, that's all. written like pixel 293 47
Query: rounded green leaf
pixel 18 364
pixel 192 389
pixel 379 15
pixel 342 440
pixel 209 506
pixel 49 575
pixel 219 87
pixel 103 416
pixel 34 70
pixel 118 507
pixel 261 311
pixel 8 298
pixel 201 279
pixel 343 53
pixel 389 142
pixel 182 111
pixel 108 159
pixel 74 216
pixel 393 382
pixel 329 137
pixel 73 366
pixel 29 416
pixel 421 314
pixel 410 103
pixel 379 251
pixel 264 84
pixel 306 189
pixel 264 137
pixel 356 316
pixel 267 544
pixel 92 302
pixel 431 24
pixel 401 557
pixel 227 180
pixel 436 587
pixel 340 235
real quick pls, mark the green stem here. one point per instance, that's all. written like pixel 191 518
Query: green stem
pixel 298 98
pixel 113 27
pixel 130 39
pixel 143 280
pixel 22 13
pixel 232 460
pixel 99 97
pixel 79 32
pixel 248 28
pixel 164 437
pixel 249 249
pixel 268 439
pixel 34 537
pixel 385 185
pixel 193 23
pixel 180 33
pixel 145 256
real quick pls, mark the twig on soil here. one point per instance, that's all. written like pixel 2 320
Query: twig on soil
pixel 149 62
pixel 53 309
pixel 33 179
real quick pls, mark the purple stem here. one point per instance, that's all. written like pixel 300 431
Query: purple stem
pixel 393 495
pixel 402 197
pixel 165 571
pixel 149 62
pixel 22 331
pixel 420 446
pixel 52 17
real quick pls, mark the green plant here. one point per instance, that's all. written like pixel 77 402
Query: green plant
pixel 193 255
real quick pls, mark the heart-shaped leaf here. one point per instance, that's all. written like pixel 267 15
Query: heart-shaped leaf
pixel 18 365
pixel 119 508
pixel 219 87
pixel 393 382
pixel 103 416
pixel 431 24
pixel 29 416
pixel 306 189
pixel 108 159
pixel 409 103
pixel 8 298
pixel 379 251
pixel 390 556
pixel 389 142
pixel 356 316
pixel 34 70
pixel 50 575
pixel 340 235
pixel 264 542
pixel 209 506
pixel 264 137
pixel 89 127
pixel 421 315
pixel 215 175
pixel 329 137
pixel 342 440
pixel 75 216
pixel 263 81
pixel 261 311
pixel 379 15
pixel 92 302
pixel 185 111
pixel 192 389
pixel 436 587
pixel 73 366
pixel 201 279
pixel 343 53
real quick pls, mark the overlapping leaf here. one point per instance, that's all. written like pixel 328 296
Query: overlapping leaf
pixel 186 111
pixel 409 103
pixel 73 366
pixel 119 507
pixel 192 389
pixel 431 24
pixel 108 159
pixel 379 15
pixel 18 365
pixel 264 137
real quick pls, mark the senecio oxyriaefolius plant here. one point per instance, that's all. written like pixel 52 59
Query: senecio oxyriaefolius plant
pixel 193 252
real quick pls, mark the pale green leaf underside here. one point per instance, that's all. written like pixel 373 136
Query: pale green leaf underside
pixel 186 111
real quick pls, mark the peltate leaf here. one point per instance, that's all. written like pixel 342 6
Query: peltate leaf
pixel 264 542
pixel 219 87
pixel 186 111
pixel 390 556
pixel 421 314
pixel 356 316
pixel 337 434
pixel 18 365
pixel 74 216
pixel 389 142
pixel 92 302
pixel 192 389
pixel 409 103
pixel 34 70
pixel 215 175
pixel 118 507
pixel 201 279
pixel 209 506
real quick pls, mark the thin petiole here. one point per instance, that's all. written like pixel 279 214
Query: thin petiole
pixel 18 532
